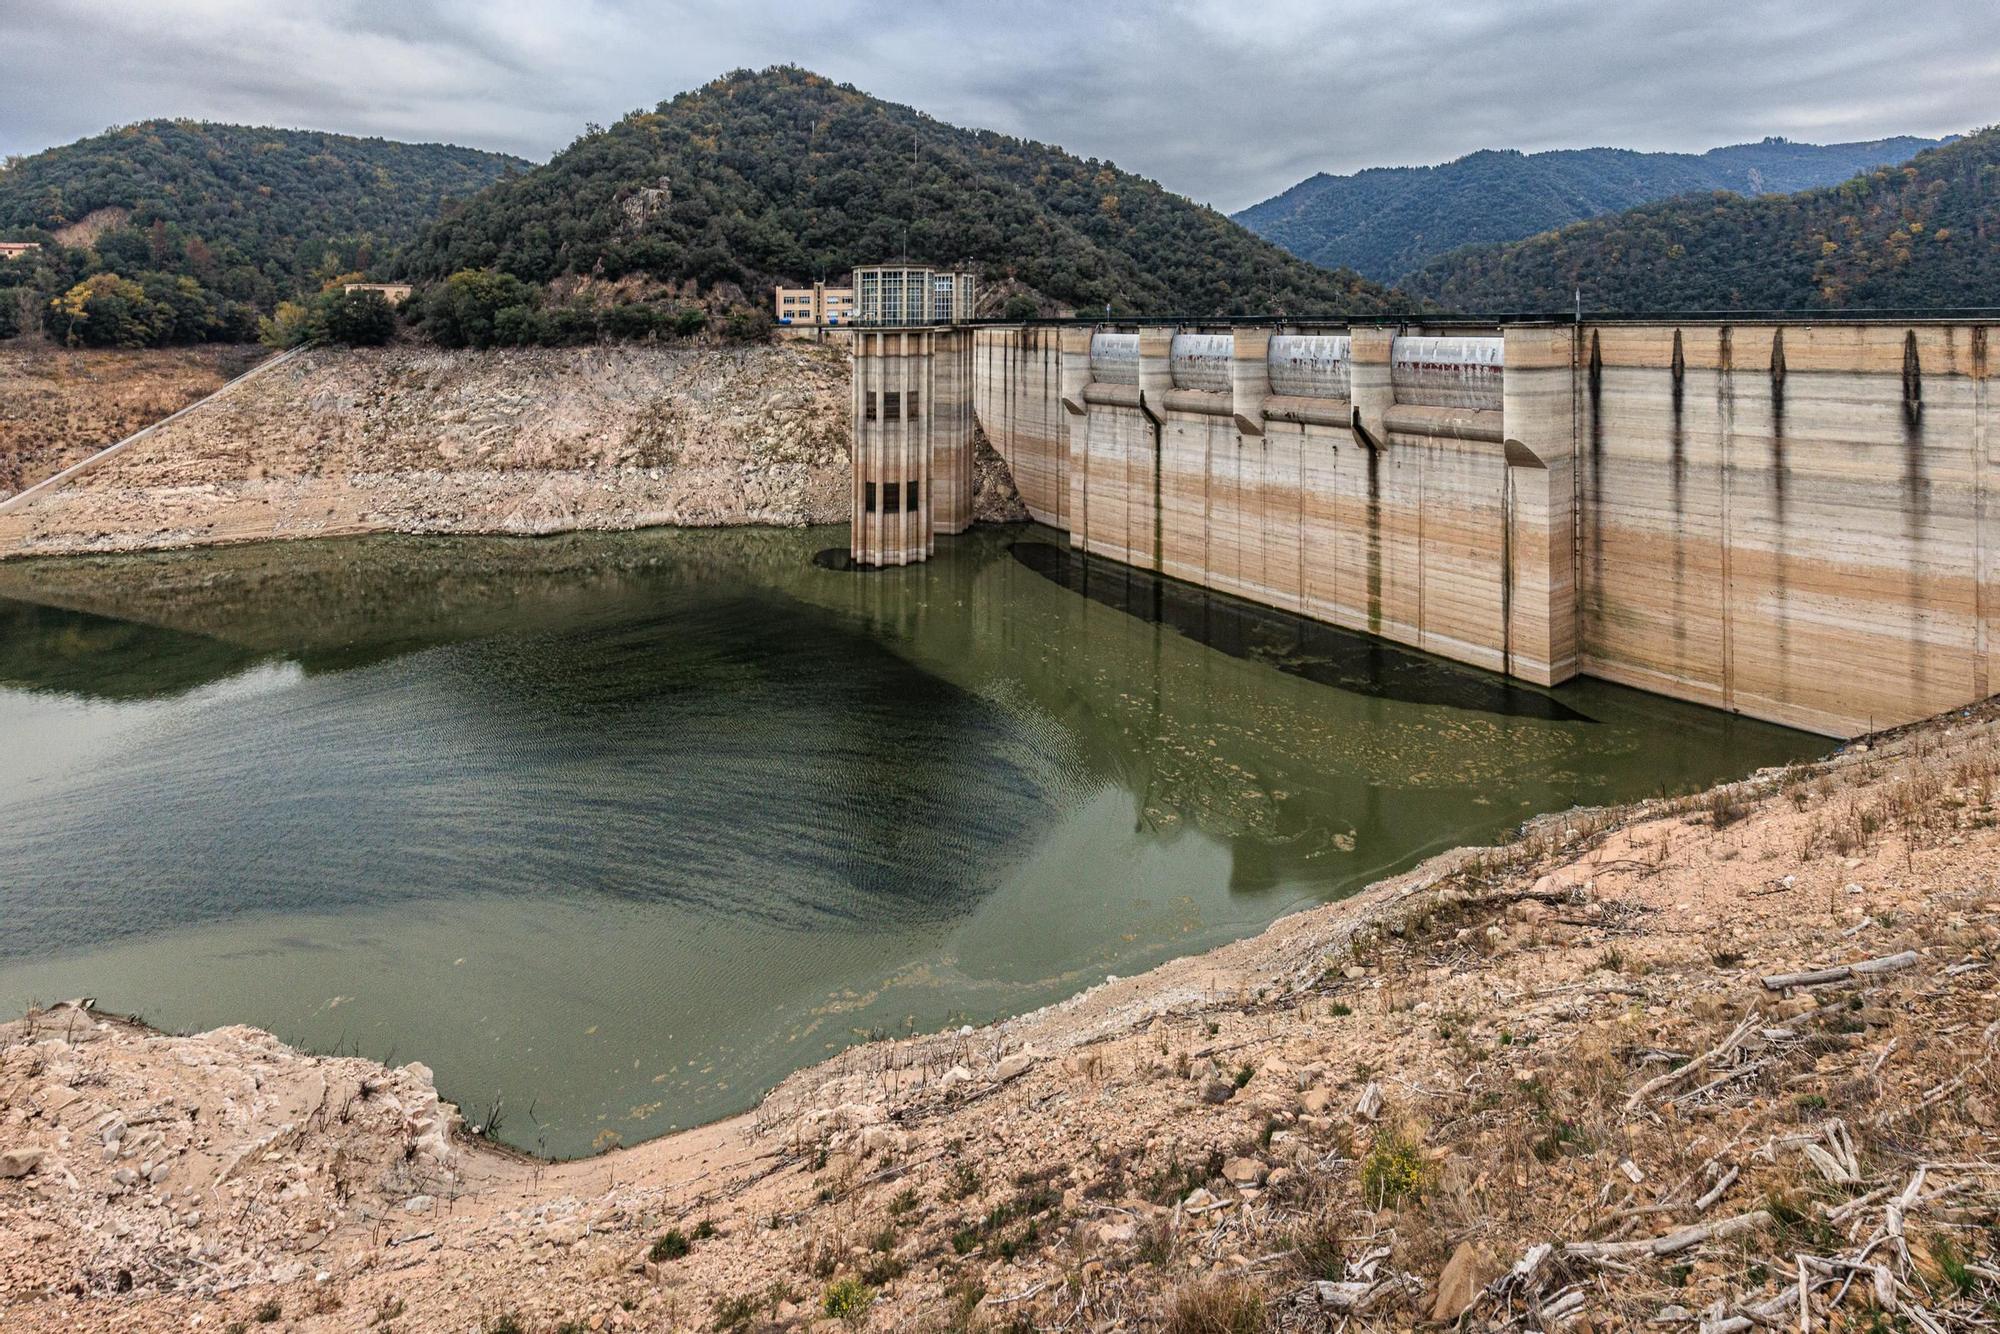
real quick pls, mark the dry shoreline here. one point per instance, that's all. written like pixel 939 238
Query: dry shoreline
pixel 423 440
pixel 1378 1110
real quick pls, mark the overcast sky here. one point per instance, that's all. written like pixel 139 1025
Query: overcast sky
pixel 1227 102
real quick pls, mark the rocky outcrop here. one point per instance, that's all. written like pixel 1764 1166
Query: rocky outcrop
pixel 424 440
pixel 995 498
pixel 207 1163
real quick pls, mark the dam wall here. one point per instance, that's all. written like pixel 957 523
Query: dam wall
pixel 1791 521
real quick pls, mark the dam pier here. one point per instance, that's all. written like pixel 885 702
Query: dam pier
pixel 1788 520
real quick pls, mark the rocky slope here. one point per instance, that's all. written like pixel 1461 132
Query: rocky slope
pixel 411 439
pixel 59 405
pixel 1720 1062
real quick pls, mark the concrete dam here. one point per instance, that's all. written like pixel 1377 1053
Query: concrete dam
pixel 1792 521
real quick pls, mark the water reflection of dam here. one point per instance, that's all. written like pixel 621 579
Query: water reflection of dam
pixel 929 718
pixel 1790 520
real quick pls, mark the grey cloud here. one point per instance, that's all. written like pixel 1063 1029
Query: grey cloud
pixel 1225 102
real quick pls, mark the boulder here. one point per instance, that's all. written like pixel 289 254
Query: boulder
pixel 1013 1067
pixel 1465 1275
pixel 885 1140
pixel 1245 1172
pixel 20 1162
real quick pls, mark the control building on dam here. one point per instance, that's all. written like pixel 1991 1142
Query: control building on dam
pixel 1794 521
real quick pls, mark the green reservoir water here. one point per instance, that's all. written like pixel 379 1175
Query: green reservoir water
pixel 619 829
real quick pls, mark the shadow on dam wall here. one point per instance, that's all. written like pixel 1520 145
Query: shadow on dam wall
pixel 1311 649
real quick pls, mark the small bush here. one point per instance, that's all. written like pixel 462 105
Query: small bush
pixel 1217 1308
pixel 670 1245
pixel 964 1182
pixel 734 1313
pixel 1317 1252
pixel 704 1229
pixel 1395 1167
pixel 268 1312
pixel 847 1299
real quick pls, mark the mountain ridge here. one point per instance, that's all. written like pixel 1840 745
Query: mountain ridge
pixel 783 174
pixel 1387 222
pixel 1919 235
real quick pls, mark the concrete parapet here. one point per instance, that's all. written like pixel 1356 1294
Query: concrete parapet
pixel 1250 378
pixel 1374 390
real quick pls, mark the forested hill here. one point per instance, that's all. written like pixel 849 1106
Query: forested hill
pixel 253 215
pixel 1925 234
pixel 782 175
pixel 1389 221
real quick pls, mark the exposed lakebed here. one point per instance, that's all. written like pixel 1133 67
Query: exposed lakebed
pixel 615 830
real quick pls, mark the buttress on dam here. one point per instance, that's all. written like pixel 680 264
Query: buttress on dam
pixel 1792 521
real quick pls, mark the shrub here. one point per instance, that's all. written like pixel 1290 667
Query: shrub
pixel 636 320
pixel 736 1312
pixel 847 1299
pixel 1317 1251
pixel 669 1245
pixel 356 319
pixel 1217 1308
pixel 1395 1167
pixel 461 310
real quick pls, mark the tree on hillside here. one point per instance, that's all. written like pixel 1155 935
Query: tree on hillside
pixel 252 216
pixel 356 319
pixel 783 174
pixel 463 309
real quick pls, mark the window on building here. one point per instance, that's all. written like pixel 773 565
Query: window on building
pixel 910 497
pixel 892 405
pixel 891 495
pixel 868 497
pixel 910 407
pixel 871 409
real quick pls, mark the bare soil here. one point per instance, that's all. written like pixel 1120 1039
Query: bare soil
pixel 1719 1063
pixel 59 405
pixel 422 440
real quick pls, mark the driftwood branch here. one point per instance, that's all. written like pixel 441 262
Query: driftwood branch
pixel 1673 1243
pixel 1820 977
pixel 1701 1062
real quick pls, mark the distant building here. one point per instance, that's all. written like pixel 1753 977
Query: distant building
pixel 910 294
pixel 818 304
pixel 11 250
pixel 393 293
